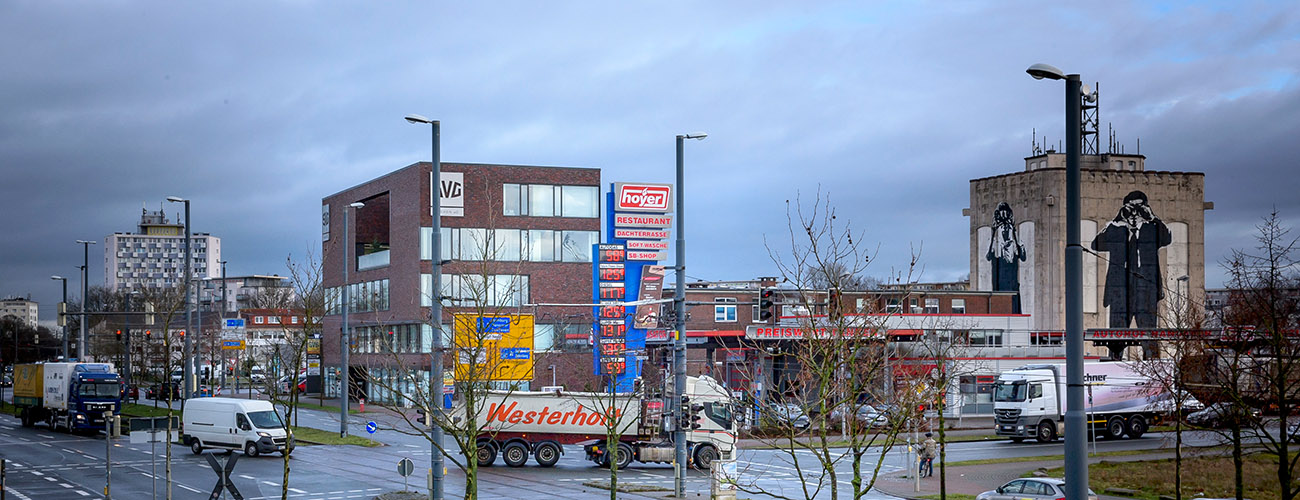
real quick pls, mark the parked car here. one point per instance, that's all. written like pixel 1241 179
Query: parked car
pixel 130 392
pixel 1037 488
pixel 6 381
pixel 257 375
pixel 864 414
pixel 160 391
pixel 789 414
pixel 1221 414
pixel 302 383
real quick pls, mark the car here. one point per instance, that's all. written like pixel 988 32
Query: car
pixel 160 391
pixel 789 414
pixel 234 424
pixel 130 392
pixel 1035 488
pixel 865 414
pixel 1293 432
pixel 6 381
pixel 1222 414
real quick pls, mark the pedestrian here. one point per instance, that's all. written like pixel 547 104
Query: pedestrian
pixel 929 450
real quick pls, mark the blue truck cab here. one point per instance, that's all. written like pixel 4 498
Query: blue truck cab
pixel 90 395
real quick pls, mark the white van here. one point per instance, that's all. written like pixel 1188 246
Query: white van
pixel 228 423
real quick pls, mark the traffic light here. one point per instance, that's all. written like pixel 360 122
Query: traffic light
pixel 694 416
pixel 147 333
pixel 425 416
pixel 119 335
pixel 833 304
pixel 766 304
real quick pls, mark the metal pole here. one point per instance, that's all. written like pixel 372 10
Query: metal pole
pixel 679 341
pixel 435 319
pixel 126 330
pixel 1076 445
pixel 108 455
pixel 85 291
pixel 65 319
pixel 186 375
pixel 343 338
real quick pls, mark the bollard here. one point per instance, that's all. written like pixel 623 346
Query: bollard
pixel 363 405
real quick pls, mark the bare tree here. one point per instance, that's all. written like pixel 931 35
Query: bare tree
pixel 838 360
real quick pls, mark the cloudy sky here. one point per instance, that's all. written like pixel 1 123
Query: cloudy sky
pixel 256 110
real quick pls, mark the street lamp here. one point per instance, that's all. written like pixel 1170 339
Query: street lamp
pixel 63 319
pixel 186 374
pixel 85 291
pixel 1076 444
pixel 679 305
pixel 436 391
pixel 343 336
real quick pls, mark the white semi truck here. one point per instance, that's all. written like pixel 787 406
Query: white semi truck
pixel 1119 400
pixel 518 424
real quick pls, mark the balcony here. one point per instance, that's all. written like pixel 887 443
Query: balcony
pixel 372 260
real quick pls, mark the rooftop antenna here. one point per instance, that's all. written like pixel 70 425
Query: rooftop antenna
pixel 1089 105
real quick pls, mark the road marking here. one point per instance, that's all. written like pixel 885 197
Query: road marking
pixel 187 487
pixel 37 473
pixel 17 494
pixel 82 493
pixel 50 479
pixel 270 483
pixel 66 485
pixel 47 445
pixel 251 478
pixel 296 490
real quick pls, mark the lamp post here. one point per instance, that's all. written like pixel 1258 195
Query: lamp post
pixel 63 319
pixel 344 342
pixel 1076 444
pixel 187 372
pixel 679 341
pixel 85 290
pixel 436 391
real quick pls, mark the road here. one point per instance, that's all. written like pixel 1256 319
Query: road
pixel 44 464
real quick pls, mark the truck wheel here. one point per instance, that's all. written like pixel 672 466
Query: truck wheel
pixel 250 449
pixel 624 456
pixel 196 446
pixel 705 454
pixel 1115 427
pixel 1137 426
pixel 26 419
pixel 547 454
pixel 515 454
pixel 1046 432
pixel 486 453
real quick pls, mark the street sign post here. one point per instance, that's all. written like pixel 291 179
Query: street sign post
pixel 223 476
pixel 371 427
pixel 147 430
pixel 405 467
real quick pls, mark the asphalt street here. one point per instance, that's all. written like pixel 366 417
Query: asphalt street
pixel 45 464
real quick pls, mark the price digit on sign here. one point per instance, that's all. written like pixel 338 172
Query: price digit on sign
pixel 612 331
pixel 612 311
pixel 613 293
pixel 612 255
pixel 613 367
pixel 612 274
pixel 613 349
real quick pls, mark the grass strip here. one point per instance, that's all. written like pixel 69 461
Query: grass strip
pixel 951 496
pixel 626 487
pixel 1203 476
pixel 318 436
pixel 987 461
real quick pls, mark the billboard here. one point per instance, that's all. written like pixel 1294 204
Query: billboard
pixel 493 347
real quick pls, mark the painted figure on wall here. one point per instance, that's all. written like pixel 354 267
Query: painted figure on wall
pixel 1133 240
pixel 1006 253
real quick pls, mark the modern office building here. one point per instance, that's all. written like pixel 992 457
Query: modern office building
pixel 512 236
pixel 154 255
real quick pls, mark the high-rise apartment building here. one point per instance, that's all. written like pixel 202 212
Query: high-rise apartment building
pixel 22 308
pixel 152 256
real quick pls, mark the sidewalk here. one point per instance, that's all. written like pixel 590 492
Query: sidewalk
pixel 975 479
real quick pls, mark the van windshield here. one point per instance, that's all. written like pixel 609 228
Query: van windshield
pixel 265 419
pixel 1009 392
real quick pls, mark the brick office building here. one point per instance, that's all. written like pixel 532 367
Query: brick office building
pixel 512 235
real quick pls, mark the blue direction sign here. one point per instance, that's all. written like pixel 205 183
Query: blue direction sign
pixel 234 322
pixel 371 427
pixel 494 325
pixel 514 353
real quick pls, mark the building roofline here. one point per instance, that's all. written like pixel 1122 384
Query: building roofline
pixel 445 163
pixel 1047 169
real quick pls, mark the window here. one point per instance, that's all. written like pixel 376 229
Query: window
pixel 371 233
pixel 258 320
pixel 1046 338
pixel 893 306
pixel 959 306
pixel 576 245
pixel 754 315
pixel 912 306
pixel 497 290
pixel 931 306
pixel 274 320
pixel 473 243
pixel 541 200
pixel 1035 391
pixel 724 313
pixel 541 245
pixel 505 245
pixel 986 337
pixel 510 199
pixel 580 201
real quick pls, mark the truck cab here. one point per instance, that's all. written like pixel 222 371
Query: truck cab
pixel 1026 404
pixel 712 420
pixel 90 395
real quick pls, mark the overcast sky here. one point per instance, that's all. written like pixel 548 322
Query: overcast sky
pixel 257 110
